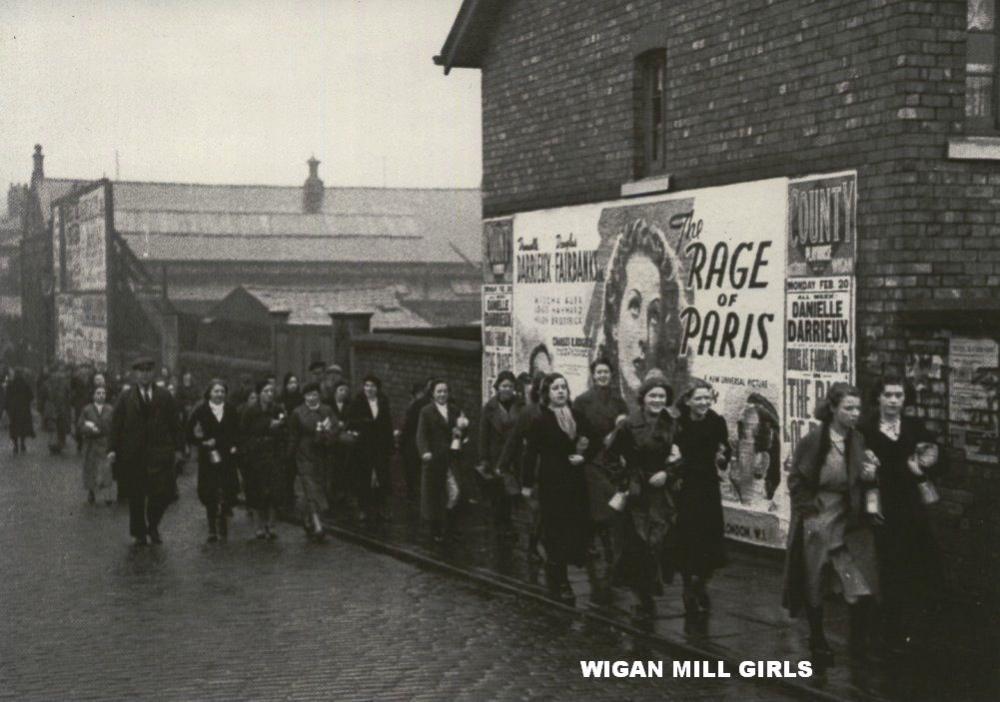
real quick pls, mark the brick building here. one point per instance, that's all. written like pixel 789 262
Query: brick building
pixel 605 101
pixel 177 249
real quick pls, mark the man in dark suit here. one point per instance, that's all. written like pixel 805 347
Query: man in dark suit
pixel 146 439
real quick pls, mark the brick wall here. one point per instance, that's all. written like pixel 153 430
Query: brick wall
pixel 400 361
pixel 766 88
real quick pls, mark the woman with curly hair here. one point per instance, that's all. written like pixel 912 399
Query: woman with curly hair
pixel 643 299
pixel 704 443
pixel 831 545
pixel 647 442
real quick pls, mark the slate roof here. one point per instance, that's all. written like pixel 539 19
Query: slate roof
pixel 177 222
pixel 313 306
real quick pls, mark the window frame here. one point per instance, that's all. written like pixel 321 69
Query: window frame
pixel 981 62
pixel 651 144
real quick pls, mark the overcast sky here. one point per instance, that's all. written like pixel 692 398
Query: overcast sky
pixel 236 91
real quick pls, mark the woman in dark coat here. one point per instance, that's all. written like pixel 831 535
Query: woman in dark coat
pixel 311 430
pixel 703 439
pixel 557 448
pixel 605 411
pixel 496 423
pixel 830 535
pixel 909 557
pixel 647 442
pixel 18 406
pixel 214 427
pixel 290 399
pixel 338 474
pixel 370 416
pixel 440 433
pixel 263 429
pixel 420 398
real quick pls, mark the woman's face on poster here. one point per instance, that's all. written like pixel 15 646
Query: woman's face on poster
pixel 639 319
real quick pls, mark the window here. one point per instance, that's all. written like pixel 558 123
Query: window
pixel 652 112
pixel 980 67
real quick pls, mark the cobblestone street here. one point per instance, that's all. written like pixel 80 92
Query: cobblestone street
pixel 87 616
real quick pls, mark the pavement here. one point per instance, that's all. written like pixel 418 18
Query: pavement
pixel 86 616
pixel 957 660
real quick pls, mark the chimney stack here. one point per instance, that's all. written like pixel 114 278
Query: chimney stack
pixel 312 192
pixel 39 171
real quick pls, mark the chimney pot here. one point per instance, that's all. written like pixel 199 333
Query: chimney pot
pixel 312 191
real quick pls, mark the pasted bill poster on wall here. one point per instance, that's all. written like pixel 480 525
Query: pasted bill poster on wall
pixel 820 296
pixel 81 328
pixel 498 334
pixel 80 241
pixel 691 286
pixel 973 402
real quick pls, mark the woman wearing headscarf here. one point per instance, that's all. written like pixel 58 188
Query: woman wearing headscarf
pixel 557 447
pixel 94 427
pixel 497 421
pixel 18 405
pixel 311 430
pixel 831 545
pixel 909 558
pixel 647 442
pixel 263 428
pixel 370 416
pixel 440 434
pixel 605 411
pixel 704 443
pixel 214 427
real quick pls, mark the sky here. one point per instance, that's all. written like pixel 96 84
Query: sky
pixel 236 91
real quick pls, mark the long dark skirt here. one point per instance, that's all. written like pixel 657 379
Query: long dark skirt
pixel 698 540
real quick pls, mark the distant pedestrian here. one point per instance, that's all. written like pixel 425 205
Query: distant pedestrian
pixel 440 434
pixel 371 417
pixel 18 404
pixel 831 544
pixel 214 427
pixel 58 408
pixel 94 427
pixel 497 420
pixel 339 456
pixel 263 429
pixel 512 457
pixel 145 442
pixel 557 448
pixel 311 430
pixel 420 397
pixel 290 400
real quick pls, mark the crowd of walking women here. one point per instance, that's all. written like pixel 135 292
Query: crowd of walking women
pixel 635 490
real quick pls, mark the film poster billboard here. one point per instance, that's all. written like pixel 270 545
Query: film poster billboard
pixel 498 334
pixel 80 251
pixel 689 285
pixel 820 296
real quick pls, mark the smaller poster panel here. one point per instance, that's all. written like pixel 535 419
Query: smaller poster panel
pixel 819 347
pixel 822 225
pixel 498 247
pixel 498 334
pixel 82 328
pixel 972 397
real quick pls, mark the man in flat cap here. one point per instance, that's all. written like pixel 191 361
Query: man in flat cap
pixel 146 440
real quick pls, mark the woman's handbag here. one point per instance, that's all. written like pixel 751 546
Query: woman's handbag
pixel 510 485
